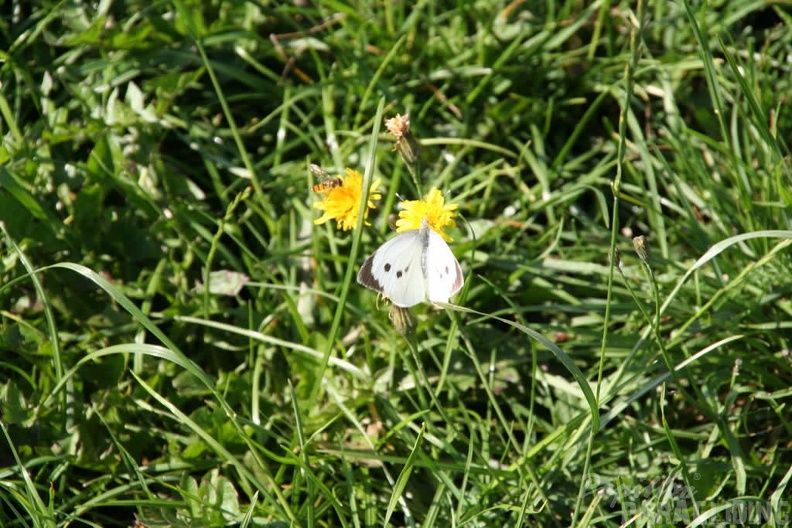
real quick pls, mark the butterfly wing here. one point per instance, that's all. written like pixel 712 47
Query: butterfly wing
pixel 441 268
pixel 395 269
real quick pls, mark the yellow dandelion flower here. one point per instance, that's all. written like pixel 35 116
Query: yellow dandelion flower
pixel 342 202
pixel 438 214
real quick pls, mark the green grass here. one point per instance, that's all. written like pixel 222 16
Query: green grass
pixel 150 149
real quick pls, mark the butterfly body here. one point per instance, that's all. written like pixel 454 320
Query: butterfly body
pixel 412 267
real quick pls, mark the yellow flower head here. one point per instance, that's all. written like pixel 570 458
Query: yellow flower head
pixel 438 214
pixel 342 202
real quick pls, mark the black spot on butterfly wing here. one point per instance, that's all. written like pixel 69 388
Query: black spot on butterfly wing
pixel 391 269
pixel 366 275
pixel 400 273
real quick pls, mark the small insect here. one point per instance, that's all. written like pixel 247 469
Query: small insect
pixel 326 182
pixel 412 267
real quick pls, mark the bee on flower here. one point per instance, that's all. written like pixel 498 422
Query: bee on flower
pixel 341 201
pixel 326 182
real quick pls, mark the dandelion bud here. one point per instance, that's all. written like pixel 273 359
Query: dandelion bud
pixel 402 319
pixel 615 256
pixel 406 143
pixel 641 246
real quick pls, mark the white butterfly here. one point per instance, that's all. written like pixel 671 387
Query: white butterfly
pixel 412 267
